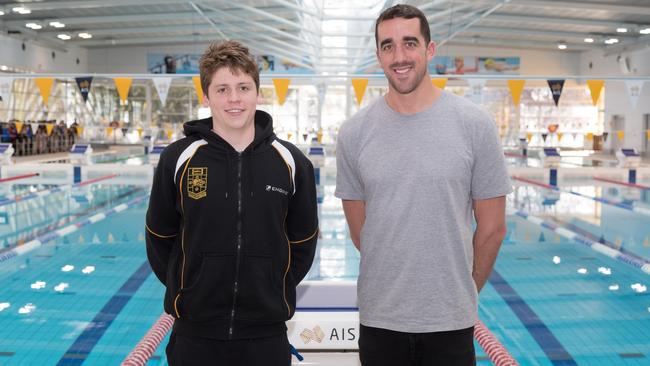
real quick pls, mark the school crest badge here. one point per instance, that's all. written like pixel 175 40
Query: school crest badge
pixel 197 183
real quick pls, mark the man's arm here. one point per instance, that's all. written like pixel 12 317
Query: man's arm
pixel 490 231
pixel 355 214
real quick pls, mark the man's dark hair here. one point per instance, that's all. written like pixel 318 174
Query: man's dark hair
pixel 406 12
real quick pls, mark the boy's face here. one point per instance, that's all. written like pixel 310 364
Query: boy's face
pixel 232 98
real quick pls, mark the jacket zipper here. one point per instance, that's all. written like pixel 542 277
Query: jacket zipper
pixel 239 242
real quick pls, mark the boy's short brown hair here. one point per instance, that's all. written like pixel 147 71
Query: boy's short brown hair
pixel 230 54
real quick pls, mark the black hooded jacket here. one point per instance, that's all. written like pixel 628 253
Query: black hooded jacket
pixel 231 234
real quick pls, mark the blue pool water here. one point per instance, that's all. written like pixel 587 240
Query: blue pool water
pixel 550 300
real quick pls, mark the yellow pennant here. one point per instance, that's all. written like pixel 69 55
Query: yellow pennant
pixel 559 136
pixel 49 127
pixel 620 134
pixel 45 86
pixel 529 136
pixel 319 136
pixel 590 136
pixel 359 86
pixel 595 86
pixel 281 88
pixel 198 88
pixel 109 131
pixel 439 82
pixel 123 85
pixel 169 134
pixel 80 130
pixel 516 87
pixel 647 134
pixel 19 126
pixel 289 135
pixel 139 131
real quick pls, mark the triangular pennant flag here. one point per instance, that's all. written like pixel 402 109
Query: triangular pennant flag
pixel 475 92
pixel 289 135
pixel 198 88
pixel 529 136
pixel 34 127
pixel 544 136
pixel 439 82
pixel 19 126
pixel 81 239
pixel 319 136
pixel 109 131
pixel 620 134
pixel 123 85
pixel 95 239
pixel 595 86
pixel 647 134
pixel 162 87
pixel 49 127
pixel 110 238
pixel 541 237
pixel 590 136
pixel 559 136
pixel 556 87
pixel 281 88
pixel 618 242
pixel 516 87
pixel 304 136
pixel 605 134
pixel 45 87
pixel 84 86
pixel 5 89
pixel 139 131
pixel 170 133
pixel 634 88
pixel 80 130
pixel 359 86
pixel 646 242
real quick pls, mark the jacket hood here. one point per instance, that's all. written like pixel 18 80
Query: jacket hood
pixel 263 132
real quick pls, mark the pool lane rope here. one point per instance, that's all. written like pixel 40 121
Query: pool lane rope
pixel 497 353
pixel 56 234
pixel 601 248
pixel 45 192
pixel 622 205
pixel 150 342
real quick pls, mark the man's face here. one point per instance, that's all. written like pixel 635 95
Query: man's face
pixel 232 98
pixel 402 53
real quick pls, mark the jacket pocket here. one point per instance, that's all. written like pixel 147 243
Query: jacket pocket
pixel 209 296
pixel 260 291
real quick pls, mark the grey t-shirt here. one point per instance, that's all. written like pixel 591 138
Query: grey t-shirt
pixel 418 175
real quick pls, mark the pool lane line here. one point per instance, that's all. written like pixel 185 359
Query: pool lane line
pixel 547 341
pixel 633 185
pixel 86 341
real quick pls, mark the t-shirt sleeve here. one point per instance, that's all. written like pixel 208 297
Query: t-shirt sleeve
pixel 348 183
pixel 489 173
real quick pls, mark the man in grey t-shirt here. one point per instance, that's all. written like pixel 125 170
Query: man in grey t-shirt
pixel 412 168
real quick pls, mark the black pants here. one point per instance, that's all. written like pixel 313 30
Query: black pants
pixel 190 351
pixel 382 347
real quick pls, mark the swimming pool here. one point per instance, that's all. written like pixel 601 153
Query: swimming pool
pixel 551 300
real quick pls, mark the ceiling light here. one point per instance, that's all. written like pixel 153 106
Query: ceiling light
pixel 85 35
pixel 34 26
pixel 4 68
pixel 621 30
pixel 57 24
pixel 645 31
pixel 562 46
pixel 611 40
pixel 589 40
pixel 21 10
pixel 2 13
pixel 63 36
